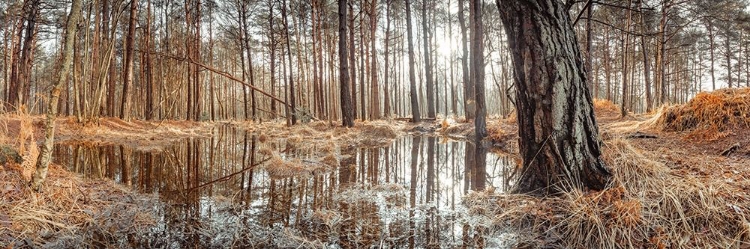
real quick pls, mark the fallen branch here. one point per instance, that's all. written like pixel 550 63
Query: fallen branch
pixel 731 149
pixel 408 119
pixel 639 134
pixel 227 177
pixel 229 76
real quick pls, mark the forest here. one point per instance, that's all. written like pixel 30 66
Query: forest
pixel 375 123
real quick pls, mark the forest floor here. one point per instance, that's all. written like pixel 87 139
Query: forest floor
pixel 680 178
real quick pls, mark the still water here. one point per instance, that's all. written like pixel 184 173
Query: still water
pixel 221 191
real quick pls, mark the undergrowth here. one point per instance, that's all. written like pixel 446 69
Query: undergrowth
pixel 709 114
pixel 646 205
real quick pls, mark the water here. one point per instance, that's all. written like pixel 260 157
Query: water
pixel 408 194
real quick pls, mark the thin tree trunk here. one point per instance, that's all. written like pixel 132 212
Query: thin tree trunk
pixel 272 51
pixel 428 62
pixel 728 57
pixel 589 16
pixel 477 68
pixel 374 90
pixel 626 46
pixel 248 50
pixel 45 154
pixel 646 65
pixel 292 103
pixel 711 47
pixel 415 116
pixel 346 101
pixel 127 77
pixel 352 61
pixel 662 83
pixel 386 73
pixel 469 104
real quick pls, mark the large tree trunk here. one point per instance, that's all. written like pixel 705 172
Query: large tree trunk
pixel 559 139
pixel 45 154
pixel 346 101
pixel 415 116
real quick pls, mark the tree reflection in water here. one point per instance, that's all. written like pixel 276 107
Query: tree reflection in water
pixel 405 195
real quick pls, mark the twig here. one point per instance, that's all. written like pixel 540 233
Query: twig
pixel 731 149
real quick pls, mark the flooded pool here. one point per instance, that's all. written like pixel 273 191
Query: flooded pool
pixel 219 192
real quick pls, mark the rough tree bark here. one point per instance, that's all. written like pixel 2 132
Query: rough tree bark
pixel 346 101
pixel 45 154
pixel 559 138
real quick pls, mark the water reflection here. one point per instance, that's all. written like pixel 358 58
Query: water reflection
pixel 405 195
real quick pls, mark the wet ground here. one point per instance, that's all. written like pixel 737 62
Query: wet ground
pixel 229 190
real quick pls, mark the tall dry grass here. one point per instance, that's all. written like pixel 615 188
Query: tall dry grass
pixel 646 205
pixel 709 114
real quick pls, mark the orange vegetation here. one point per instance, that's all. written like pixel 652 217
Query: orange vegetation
pixel 605 108
pixel 96 212
pixel 710 112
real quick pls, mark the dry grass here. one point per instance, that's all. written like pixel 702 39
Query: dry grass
pixel 279 168
pixel 322 136
pixel 377 134
pixel 70 212
pixel 496 133
pixel 710 113
pixel 143 135
pixel 459 130
pixel 605 108
pixel 647 205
